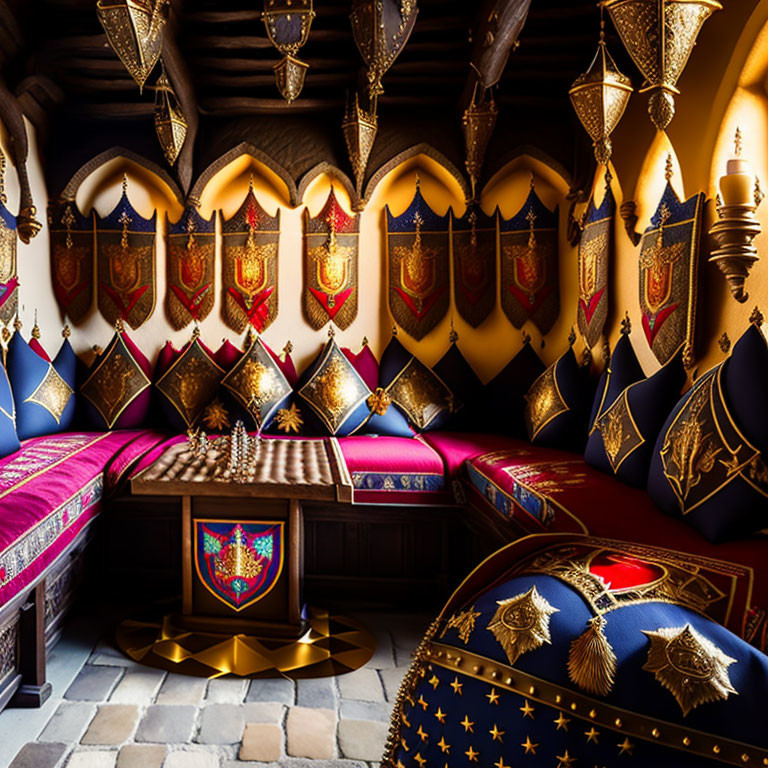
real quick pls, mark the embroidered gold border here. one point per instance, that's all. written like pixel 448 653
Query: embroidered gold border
pixel 104 357
pixel 625 396
pixel 176 362
pixel 591 710
pixel 566 407
pixel 447 388
pixel 327 352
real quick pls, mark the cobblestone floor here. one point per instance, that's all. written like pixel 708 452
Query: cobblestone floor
pixel 118 714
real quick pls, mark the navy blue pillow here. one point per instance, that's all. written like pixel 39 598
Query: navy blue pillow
pixel 9 440
pixel 421 395
pixel 466 387
pixel 623 436
pixel 43 392
pixel 332 395
pixel 505 392
pixel 557 405
pixel 705 468
pixel 622 370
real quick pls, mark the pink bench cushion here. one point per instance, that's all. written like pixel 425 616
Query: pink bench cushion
pixel 50 490
pixel 554 491
pixel 457 447
pixel 394 470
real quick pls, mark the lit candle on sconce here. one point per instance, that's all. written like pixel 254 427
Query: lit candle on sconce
pixel 738 185
pixel 736 226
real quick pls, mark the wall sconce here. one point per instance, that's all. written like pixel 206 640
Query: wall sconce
pixel 736 226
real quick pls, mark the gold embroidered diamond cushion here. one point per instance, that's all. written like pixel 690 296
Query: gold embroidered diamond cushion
pixel 43 391
pixel 557 405
pixel 707 465
pixel 117 389
pixel 575 651
pixel 332 395
pixel 257 385
pixel 188 384
pixel 622 438
pixel 420 394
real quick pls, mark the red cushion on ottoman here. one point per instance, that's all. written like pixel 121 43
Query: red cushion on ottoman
pixel 394 470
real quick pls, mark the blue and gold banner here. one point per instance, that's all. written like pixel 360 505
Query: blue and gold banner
pixel 9 280
pixel 669 253
pixel 419 267
pixel 239 562
pixel 474 264
pixel 190 268
pixel 529 275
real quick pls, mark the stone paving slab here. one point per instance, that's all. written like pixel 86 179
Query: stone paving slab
pixel 392 678
pixel 69 722
pixel 364 739
pixel 264 712
pixel 221 724
pixel 226 690
pixel 141 756
pixel 92 759
pixel 190 759
pixel 362 684
pixel 182 689
pixel 261 742
pixel 138 687
pixel 319 693
pixel 94 683
pixel 167 724
pixel 272 689
pixel 365 710
pixel 35 755
pixel 113 724
pixel 311 732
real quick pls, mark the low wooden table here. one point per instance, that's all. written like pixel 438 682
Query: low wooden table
pixel 242 540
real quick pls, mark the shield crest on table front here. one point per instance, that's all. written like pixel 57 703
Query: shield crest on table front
pixel 239 562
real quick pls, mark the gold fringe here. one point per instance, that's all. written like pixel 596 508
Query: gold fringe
pixel 591 660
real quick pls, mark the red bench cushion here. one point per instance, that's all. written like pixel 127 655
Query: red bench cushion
pixel 394 470
pixel 49 491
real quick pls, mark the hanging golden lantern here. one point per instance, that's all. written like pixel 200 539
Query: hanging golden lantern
pixel 134 29
pixel 477 123
pixel 359 127
pixel 599 97
pixel 659 36
pixel 288 23
pixel 170 123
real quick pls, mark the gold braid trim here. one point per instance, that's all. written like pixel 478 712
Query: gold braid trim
pixel 415 672
pixel 565 700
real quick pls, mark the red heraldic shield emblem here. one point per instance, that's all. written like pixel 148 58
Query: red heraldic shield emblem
pixel 529 279
pixel 669 254
pixel 474 264
pixel 190 268
pixel 418 258
pixel 330 265
pixel 71 259
pixel 249 255
pixel 125 264
pixel 595 248
pixel 9 280
pixel 238 562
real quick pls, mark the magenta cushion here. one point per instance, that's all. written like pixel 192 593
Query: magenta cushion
pixel 456 447
pixel 366 365
pixel 122 464
pixel 37 347
pixel 227 355
pixel 394 470
pixel 49 490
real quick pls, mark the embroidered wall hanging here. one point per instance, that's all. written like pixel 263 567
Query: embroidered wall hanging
pixel 125 264
pixel 669 254
pixel 190 268
pixel 529 278
pixel 474 264
pixel 249 263
pixel 330 265
pixel 9 280
pixel 595 248
pixel 418 259
pixel 71 259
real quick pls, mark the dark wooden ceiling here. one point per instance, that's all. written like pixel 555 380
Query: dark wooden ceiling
pixel 56 58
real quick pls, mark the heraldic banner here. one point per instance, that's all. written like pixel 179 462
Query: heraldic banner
pixel 529 275
pixel 330 265
pixel 71 259
pixel 190 258
pixel 238 562
pixel 595 249
pixel 418 258
pixel 9 280
pixel 125 264
pixel 474 264
pixel 249 264
pixel 669 253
